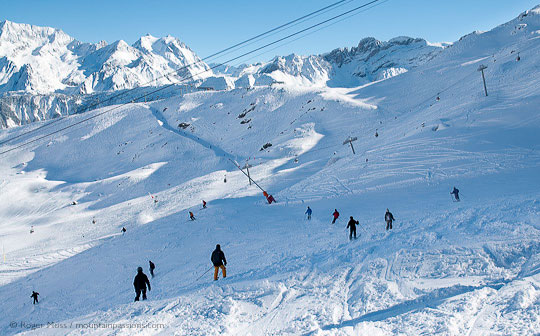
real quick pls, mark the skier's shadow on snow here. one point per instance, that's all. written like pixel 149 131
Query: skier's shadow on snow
pixel 430 300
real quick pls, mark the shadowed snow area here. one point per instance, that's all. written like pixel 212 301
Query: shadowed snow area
pixel 450 268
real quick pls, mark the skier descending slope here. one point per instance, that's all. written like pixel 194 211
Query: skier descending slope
pixel 336 216
pixel 35 297
pixel 219 261
pixel 140 282
pixel 204 204
pixel 309 212
pixel 352 228
pixel 455 192
pixel 389 218
pixel 191 216
pixel 152 267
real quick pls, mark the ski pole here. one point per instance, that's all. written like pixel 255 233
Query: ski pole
pixel 204 273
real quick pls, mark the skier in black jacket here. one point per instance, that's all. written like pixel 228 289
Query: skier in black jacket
pixel 140 282
pixel 152 267
pixel 455 192
pixel 352 227
pixel 34 296
pixel 219 261
pixel 389 218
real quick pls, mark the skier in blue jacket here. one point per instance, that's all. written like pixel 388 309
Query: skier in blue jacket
pixel 308 212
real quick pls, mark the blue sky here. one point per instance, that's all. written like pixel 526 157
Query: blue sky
pixel 208 26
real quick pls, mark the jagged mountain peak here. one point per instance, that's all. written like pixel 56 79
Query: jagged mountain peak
pixel 162 45
pixel 23 34
pixel 368 43
pixel 11 26
pixel 73 67
pixel 370 60
pixel 145 42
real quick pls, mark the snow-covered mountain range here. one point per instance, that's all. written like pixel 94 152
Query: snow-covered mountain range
pixel 43 60
pixel 45 73
pixel 371 60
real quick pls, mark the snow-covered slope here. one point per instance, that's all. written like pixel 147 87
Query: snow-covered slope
pixel 42 60
pixel 446 268
pixel 19 109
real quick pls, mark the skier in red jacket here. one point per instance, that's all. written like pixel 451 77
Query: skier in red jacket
pixel 336 216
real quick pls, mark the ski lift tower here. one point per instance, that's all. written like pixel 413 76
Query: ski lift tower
pixel 481 68
pixel 246 167
pixel 349 141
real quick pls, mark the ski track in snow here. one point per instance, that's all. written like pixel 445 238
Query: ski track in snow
pixel 164 123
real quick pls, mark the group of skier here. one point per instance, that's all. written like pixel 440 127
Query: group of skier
pixel 192 216
pixel 141 282
pixel 220 262
pixel 388 216
pixel 351 225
